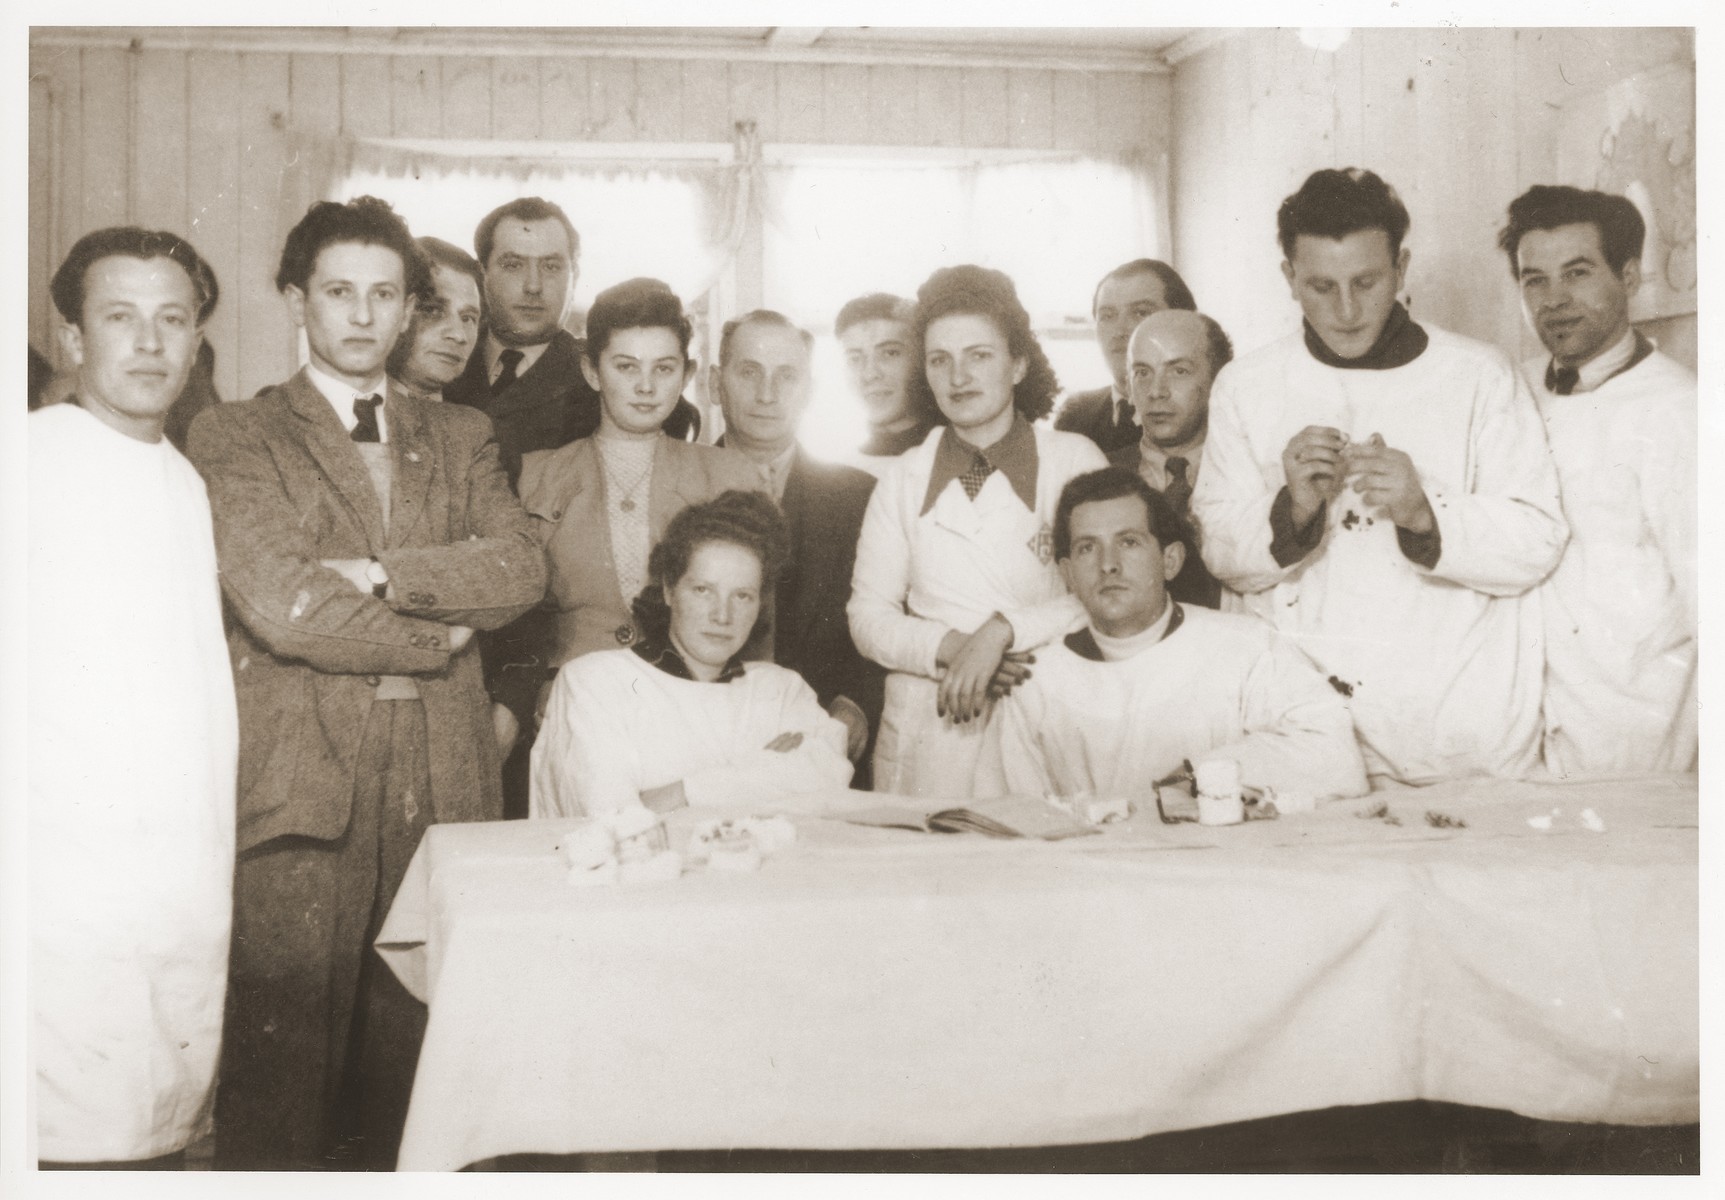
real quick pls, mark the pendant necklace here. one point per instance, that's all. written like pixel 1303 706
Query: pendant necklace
pixel 627 504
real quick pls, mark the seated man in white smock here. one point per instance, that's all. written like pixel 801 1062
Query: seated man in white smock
pixel 1149 684
pixel 678 718
pixel 1381 491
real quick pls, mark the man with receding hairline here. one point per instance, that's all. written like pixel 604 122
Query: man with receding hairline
pixel 764 384
pixel 1173 358
pixel 1124 297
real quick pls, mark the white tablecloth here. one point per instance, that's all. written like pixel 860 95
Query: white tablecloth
pixel 888 989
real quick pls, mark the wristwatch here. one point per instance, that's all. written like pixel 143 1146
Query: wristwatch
pixel 378 577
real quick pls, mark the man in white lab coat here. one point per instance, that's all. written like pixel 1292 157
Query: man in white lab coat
pixel 133 738
pixel 1382 492
pixel 1149 684
pixel 1620 608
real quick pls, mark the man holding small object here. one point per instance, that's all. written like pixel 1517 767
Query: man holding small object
pixel 1382 492
pixel 1149 684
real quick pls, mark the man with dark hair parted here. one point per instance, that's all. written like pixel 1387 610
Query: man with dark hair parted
pixel 1123 298
pixel 1381 491
pixel 527 374
pixel 1148 683
pixel 1620 610
pixel 132 735
pixel 363 534
pixel 764 382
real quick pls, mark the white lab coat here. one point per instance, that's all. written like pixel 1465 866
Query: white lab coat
pixel 1620 608
pixel 133 745
pixel 617 726
pixel 1443 665
pixel 1217 686
pixel 919 575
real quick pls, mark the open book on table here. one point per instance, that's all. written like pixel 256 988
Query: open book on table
pixel 999 816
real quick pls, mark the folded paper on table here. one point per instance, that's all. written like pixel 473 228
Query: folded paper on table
pixel 999 817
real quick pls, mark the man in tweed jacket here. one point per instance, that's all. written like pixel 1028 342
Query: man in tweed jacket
pixel 362 535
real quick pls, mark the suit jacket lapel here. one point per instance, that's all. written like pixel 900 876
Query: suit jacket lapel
pixel 798 578
pixel 669 493
pixel 331 446
pixel 548 371
pixel 410 476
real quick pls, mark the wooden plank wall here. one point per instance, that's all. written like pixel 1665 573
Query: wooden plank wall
pixel 1460 121
pixel 197 141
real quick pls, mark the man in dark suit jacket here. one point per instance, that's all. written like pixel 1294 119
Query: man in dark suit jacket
pixel 763 382
pixel 1126 295
pixel 526 376
pixel 362 535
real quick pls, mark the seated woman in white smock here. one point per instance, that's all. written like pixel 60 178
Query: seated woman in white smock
pixel 678 718
pixel 955 582
pixel 1149 684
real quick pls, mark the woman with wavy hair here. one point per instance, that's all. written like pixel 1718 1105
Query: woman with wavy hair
pixel 955 581
pixel 678 718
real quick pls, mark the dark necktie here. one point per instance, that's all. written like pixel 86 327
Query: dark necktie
pixel 365 414
pixel 1562 380
pixel 510 360
pixel 975 475
pixel 1179 490
pixel 1122 413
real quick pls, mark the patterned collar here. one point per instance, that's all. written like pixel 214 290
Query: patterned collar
pixel 1399 342
pixel 1014 456
pixel 665 657
pixel 1083 643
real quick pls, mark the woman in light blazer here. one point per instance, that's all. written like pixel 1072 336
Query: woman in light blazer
pixel 601 503
pixel 955 580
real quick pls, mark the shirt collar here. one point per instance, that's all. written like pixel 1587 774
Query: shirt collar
pixel 1085 643
pixel 1014 456
pixel 494 350
pixel 664 656
pixel 1601 367
pixel 342 395
pixel 1399 342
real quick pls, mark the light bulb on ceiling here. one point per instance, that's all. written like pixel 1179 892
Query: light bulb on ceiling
pixel 1327 40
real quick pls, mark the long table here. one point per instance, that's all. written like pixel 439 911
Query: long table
pixel 895 990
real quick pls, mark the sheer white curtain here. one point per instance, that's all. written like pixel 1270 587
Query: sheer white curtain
pixel 840 227
pixel 633 220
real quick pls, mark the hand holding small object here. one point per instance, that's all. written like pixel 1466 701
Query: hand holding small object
pixel 1389 483
pixel 1312 464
